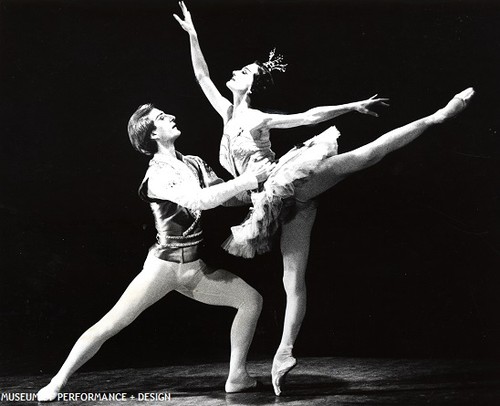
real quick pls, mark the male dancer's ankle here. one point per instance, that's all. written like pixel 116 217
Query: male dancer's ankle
pixel 49 392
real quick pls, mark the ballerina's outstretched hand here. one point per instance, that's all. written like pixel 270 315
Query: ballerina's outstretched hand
pixel 365 106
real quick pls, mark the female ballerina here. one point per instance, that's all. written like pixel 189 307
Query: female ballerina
pixel 299 176
pixel 177 188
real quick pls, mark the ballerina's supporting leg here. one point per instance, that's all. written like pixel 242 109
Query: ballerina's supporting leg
pixel 334 169
pixel 295 238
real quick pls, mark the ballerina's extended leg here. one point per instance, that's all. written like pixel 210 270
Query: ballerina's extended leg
pixel 336 168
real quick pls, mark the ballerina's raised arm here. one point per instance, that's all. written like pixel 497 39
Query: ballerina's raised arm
pixel 261 73
pixel 200 67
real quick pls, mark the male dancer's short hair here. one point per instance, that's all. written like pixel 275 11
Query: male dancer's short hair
pixel 140 127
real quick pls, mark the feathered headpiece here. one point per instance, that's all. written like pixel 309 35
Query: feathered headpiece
pixel 275 62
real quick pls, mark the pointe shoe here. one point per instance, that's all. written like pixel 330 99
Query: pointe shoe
pixel 279 371
pixel 455 106
pixel 465 95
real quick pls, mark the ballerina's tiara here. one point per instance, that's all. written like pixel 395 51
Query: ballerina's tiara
pixel 275 62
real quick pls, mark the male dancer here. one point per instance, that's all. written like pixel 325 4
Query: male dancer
pixel 178 188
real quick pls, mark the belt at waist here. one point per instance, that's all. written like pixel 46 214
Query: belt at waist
pixel 177 241
pixel 179 255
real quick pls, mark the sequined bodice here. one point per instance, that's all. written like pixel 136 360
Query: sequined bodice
pixel 240 148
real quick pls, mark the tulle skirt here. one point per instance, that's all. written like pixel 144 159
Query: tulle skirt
pixel 254 235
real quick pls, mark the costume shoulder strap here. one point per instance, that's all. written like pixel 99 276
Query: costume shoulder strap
pixel 205 173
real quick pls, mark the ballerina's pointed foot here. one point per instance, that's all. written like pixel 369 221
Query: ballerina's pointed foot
pixel 281 367
pixel 455 106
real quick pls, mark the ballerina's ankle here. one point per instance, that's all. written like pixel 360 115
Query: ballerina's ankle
pixel 284 351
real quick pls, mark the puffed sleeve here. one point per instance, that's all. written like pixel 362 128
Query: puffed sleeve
pixel 165 185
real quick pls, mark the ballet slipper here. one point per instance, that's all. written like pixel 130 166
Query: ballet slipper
pixel 255 387
pixel 279 371
pixel 455 106
pixel 48 393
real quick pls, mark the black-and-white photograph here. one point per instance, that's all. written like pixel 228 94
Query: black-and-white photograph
pixel 250 202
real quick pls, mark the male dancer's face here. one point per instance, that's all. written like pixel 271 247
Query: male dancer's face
pixel 166 129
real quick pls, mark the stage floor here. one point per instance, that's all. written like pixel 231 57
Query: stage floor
pixel 315 381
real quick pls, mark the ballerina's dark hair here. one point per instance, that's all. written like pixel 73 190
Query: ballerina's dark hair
pixel 264 78
pixel 140 127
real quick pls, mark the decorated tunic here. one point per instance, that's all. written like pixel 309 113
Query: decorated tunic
pixel 178 189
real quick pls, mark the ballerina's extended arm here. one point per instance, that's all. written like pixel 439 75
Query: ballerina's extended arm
pixel 318 115
pixel 219 102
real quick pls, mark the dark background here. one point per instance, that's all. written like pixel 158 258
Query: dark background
pixel 405 256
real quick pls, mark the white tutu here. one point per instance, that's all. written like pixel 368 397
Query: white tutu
pixel 254 235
